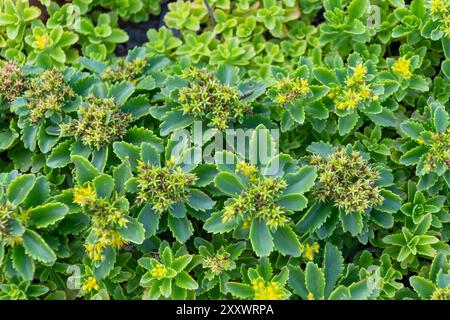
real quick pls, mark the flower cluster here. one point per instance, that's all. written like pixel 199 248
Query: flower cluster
pixel 106 218
pixel 440 10
pixel 356 90
pixel 402 67
pixel 124 71
pixel 47 94
pixel 439 151
pixel 259 201
pixel 218 263
pixel 290 90
pixel 348 181
pixel 100 121
pixel 268 290
pixel 12 81
pixel 163 186
pixel 6 213
pixel 207 96
pixel 441 294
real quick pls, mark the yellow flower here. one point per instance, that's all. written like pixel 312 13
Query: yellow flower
pixel 170 162
pixel 438 6
pixel 158 272
pixel 246 169
pixel 247 223
pixel 116 240
pixel 41 41
pixel 90 284
pixel 83 196
pixel 427 167
pixel 310 296
pixel 310 250
pixel 302 87
pixel 360 72
pixel 281 98
pixel 267 291
pixel 402 67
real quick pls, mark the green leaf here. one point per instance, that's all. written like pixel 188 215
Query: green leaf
pixel 138 106
pixel 127 151
pixel 286 242
pixel 228 184
pixel 340 293
pixel 106 265
pixel 301 181
pixel 149 219
pixel 103 185
pixel 214 224
pixel 294 202
pixel 360 290
pixel 357 9
pixel 133 231
pixel 121 174
pixel 412 157
pixel 185 281
pixel 240 290
pixel 412 129
pixel 352 222
pixel 47 214
pixel 261 238
pixel 297 281
pixel 181 228
pixel 333 265
pixel 440 119
pixel 121 92
pixel 314 218
pixel 314 280
pixel 84 170
pixel 20 187
pixel 199 200
pixel 446 68
pixel 37 248
pixel 392 202
pixel 178 264
pixel 60 155
pixel 175 120
pixel 422 286
pixel 22 263
pixel 446 47
pixel 325 76
pixel 347 123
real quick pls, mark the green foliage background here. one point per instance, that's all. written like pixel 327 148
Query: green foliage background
pixel 98 202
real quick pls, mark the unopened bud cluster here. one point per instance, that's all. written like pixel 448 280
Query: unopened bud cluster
pixel 289 90
pixel 125 70
pixel 99 122
pixel 207 96
pixel 348 181
pixel 439 152
pixel 218 263
pixel 163 186
pixel 441 294
pixel 47 94
pixel 6 213
pixel 258 201
pixel 12 81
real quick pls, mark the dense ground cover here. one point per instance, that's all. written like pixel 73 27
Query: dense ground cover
pixel 339 189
